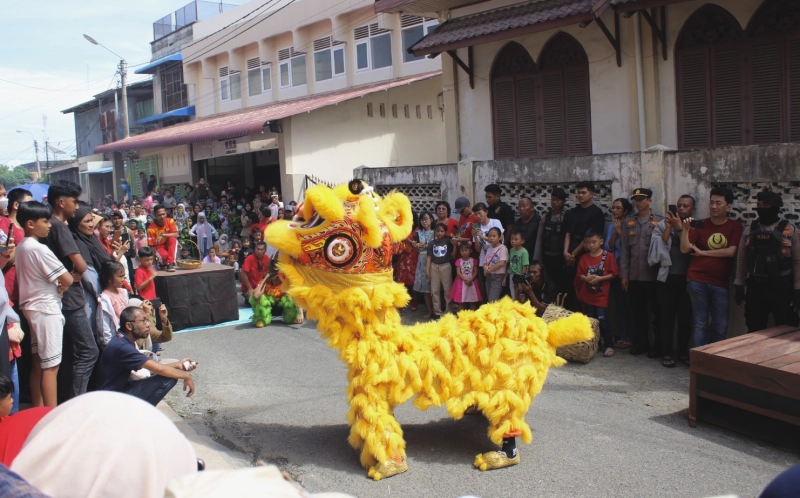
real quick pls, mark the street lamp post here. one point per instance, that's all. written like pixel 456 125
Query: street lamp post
pixel 36 150
pixel 123 71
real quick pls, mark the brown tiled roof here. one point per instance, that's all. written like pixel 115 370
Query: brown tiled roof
pixel 499 20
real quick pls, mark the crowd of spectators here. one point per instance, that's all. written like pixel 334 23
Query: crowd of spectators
pixel 657 284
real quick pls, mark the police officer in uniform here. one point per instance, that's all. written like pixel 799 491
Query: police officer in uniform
pixel 768 267
pixel 550 241
pixel 638 277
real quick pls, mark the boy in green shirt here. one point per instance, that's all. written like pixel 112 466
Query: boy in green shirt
pixel 518 261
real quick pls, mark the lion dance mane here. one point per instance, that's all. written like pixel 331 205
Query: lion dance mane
pixel 336 255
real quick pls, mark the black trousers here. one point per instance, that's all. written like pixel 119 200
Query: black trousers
pixel 554 268
pixel 644 300
pixel 763 298
pixel 675 303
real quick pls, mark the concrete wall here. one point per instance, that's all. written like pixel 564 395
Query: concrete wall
pixel 171 44
pixel 331 141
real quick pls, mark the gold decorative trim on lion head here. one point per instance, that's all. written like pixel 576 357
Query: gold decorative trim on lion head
pixel 345 230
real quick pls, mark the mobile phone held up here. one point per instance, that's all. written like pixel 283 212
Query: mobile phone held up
pixel 697 224
pixel 673 209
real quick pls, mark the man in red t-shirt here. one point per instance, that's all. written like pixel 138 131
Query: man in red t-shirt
pixel 713 248
pixel 254 270
pixel 162 236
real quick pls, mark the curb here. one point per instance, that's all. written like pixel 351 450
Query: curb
pixel 211 452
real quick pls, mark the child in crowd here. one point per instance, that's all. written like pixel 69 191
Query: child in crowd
pixel 494 264
pixel 518 261
pixel 466 290
pixel 246 251
pixel 438 269
pixel 113 300
pixel 595 269
pixel 42 279
pixel 480 231
pixel 231 261
pixel 145 275
pixel 185 253
pixel 212 256
pixel 6 396
pixel 422 238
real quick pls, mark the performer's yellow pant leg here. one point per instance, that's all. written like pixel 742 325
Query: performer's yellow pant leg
pixel 374 429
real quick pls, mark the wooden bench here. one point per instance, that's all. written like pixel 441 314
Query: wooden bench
pixel 750 384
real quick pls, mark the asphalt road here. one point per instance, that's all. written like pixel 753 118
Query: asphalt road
pixel 613 428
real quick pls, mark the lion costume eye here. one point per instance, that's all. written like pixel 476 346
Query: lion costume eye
pixel 340 250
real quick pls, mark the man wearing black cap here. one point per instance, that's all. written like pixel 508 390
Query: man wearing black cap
pixel 638 277
pixel 550 241
pixel 768 267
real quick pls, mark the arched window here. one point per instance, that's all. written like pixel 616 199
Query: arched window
pixel 514 103
pixel 737 87
pixel 542 110
pixel 710 69
pixel 564 71
pixel 774 32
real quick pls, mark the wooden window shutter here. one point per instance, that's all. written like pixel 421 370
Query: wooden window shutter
pixel 793 86
pixel 766 91
pixel 728 95
pixel 527 136
pixel 693 99
pixel 504 118
pixel 578 111
pixel 553 111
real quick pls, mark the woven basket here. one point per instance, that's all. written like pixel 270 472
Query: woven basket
pixel 581 352
pixel 189 264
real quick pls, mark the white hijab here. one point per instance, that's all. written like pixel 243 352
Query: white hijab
pixel 102 444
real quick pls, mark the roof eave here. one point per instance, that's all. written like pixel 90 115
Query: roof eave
pixel 506 34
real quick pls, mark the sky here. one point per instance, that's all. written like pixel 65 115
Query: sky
pixel 44 48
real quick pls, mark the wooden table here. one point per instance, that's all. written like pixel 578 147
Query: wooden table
pixel 205 296
pixel 750 384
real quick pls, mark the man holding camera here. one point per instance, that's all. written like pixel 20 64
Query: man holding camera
pixel 123 368
pixel 768 264
pixel 712 243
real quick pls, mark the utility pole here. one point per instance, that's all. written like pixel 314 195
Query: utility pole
pixel 38 168
pixel 124 77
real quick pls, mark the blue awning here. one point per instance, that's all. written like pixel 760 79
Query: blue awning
pixel 151 67
pixel 183 111
pixel 101 170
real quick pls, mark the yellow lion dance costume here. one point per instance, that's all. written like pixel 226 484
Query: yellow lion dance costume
pixel 336 255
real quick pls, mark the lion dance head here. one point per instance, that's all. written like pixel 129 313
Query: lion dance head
pixel 340 238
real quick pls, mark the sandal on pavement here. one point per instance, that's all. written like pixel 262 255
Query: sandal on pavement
pixel 622 344
pixel 608 352
pixel 684 360
pixel 668 362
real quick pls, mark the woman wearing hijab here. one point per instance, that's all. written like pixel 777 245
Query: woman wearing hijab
pixel 82 227
pixel 205 232
pixel 223 246
pixel 90 447
pixel 181 216
pixel 196 210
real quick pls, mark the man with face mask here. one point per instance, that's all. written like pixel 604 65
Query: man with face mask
pixel 768 267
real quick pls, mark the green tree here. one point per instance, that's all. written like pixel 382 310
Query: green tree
pixel 13 177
